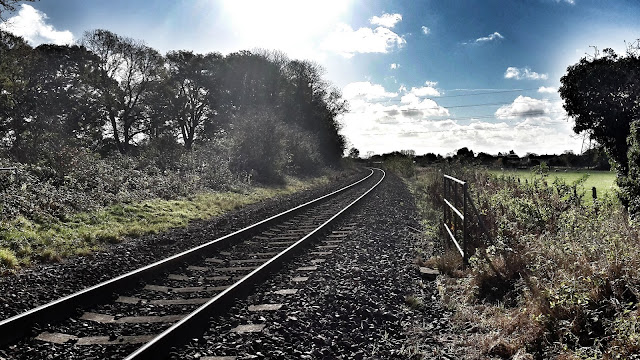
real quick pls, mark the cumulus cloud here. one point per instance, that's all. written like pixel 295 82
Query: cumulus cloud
pixel 386 20
pixel 366 91
pixel 425 126
pixel 31 24
pixel 348 42
pixel 523 74
pixel 426 30
pixel 547 90
pixel 394 66
pixel 424 91
pixel 491 37
pixel 523 107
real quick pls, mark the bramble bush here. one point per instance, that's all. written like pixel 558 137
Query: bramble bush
pixel 630 184
pixel 562 277
pixel 44 194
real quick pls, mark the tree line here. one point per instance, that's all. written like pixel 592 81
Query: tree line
pixel 112 95
pixel 595 158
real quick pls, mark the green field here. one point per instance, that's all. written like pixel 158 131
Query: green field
pixel 603 181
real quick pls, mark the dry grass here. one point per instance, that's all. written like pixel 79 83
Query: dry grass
pixel 564 280
pixel 24 241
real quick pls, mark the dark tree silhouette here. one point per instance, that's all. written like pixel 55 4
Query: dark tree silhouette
pixel 9 5
pixel 194 83
pixel 128 69
pixel 601 94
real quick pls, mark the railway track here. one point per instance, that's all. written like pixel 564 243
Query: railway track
pixel 146 312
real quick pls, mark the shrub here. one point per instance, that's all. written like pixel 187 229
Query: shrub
pixel 401 165
pixel 568 273
pixel 630 184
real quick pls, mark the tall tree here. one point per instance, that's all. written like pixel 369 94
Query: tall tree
pixel 602 94
pixel 65 101
pixel 16 89
pixel 194 81
pixel 128 69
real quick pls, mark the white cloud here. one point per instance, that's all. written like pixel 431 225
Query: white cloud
pixel 547 90
pixel 366 90
pixel 424 126
pixel 571 2
pixel 523 107
pixel 348 42
pixel 31 24
pixel 524 73
pixel 386 20
pixel 425 91
pixel 495 36
pixel 426 30
pixel 394 66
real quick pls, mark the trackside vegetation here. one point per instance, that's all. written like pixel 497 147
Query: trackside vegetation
pixel 108 138
pixel 561 276
pixel 25 241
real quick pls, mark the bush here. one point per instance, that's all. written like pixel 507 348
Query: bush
pixel 630 184
pixel 401 165
pixel 258 148
pixel 559 278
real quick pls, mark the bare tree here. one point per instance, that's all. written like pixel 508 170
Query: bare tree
pixel 9 6
pixel 127 71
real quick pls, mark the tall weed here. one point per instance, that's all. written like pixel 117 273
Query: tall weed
pixel 565 269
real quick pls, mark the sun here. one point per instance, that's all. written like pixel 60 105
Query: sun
pixel 282 24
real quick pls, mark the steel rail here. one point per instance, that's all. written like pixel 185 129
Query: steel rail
pixel 18 326
pixel 196 323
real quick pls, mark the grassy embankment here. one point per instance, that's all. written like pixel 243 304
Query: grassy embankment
pixel 25 241
pixel 566 283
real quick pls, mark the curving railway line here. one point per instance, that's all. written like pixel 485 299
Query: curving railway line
pixel 145 313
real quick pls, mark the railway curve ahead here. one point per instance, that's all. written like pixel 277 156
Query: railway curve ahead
pixel 146 312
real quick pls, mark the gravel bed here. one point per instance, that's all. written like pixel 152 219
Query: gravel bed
pixel 354 306
pixel 46 282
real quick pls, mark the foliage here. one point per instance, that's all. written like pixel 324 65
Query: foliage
pixel 9 5
pixel 600 94
pixel 630 183
pixel 25 240
pixel 112 122
pixel 542 169
pixel 561 278
pixel 401 165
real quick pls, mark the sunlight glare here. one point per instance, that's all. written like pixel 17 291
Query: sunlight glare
pixel 284 24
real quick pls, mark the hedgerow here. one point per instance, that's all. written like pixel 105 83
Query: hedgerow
pixel 560 278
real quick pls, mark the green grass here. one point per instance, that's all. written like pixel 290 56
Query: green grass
pixel 603 181
pixel 23 241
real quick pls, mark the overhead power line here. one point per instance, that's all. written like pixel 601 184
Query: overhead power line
pixel 459 95
pixel 440 131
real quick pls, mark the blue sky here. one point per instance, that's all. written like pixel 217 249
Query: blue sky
pixel 432 76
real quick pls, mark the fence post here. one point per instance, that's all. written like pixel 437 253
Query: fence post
pixel 465 230
pixel 444 208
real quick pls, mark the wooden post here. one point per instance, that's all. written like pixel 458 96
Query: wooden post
pixel 465 230
pixel 446 219
pixel 456 221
